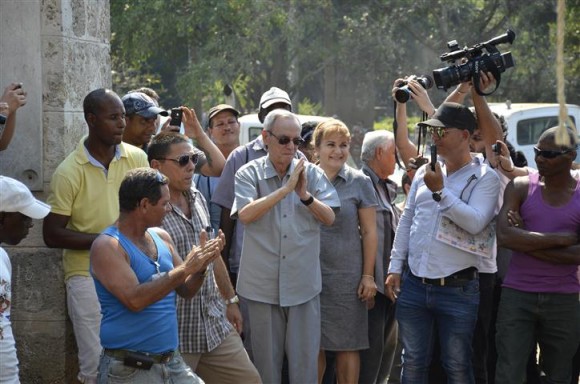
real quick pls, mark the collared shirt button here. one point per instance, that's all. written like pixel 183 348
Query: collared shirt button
pixel 285 236
pixel 283 256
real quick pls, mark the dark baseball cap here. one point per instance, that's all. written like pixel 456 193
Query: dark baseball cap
pixel 142 105
pixel 452 115
pixel 220 108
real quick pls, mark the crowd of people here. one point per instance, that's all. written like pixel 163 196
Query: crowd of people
pixel 189 258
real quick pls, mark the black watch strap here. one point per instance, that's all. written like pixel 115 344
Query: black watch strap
pixel 308 201
pixel 437 195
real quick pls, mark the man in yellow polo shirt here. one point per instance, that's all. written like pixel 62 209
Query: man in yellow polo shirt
pixel 84 201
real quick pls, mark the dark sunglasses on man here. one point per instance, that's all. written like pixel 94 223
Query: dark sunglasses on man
pixel 550 154
pixel 183 160
pixel 283 140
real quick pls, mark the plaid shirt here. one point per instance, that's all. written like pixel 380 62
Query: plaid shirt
pixel 201 319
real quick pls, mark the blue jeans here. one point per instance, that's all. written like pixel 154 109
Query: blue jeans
pixel 553 319
pixel 422 310
pixel 112 371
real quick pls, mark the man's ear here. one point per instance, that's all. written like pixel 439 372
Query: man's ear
pixel 90 118
pixel 155 164
pixel 144 203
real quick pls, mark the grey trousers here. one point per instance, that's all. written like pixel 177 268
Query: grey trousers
pixel 292 330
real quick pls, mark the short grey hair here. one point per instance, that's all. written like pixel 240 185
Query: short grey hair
pixel 372 141
pixel 276 114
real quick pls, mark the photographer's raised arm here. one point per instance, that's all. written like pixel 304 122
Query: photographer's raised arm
pixel 13 98
pixel 459 93
pixel 405 146
pixel 192 129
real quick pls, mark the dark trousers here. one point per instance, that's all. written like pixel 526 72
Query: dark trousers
pixel 481 335
pixel 376 361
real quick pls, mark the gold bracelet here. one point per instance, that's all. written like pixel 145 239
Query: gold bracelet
pixel 369 276
pixel 458 91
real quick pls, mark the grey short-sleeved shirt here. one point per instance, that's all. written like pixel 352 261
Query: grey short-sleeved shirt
pixel 224 191
pixel 280 254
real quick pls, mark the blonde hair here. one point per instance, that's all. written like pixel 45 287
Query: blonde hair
pixel 327 128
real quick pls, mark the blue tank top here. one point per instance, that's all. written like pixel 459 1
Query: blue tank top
pixel 153 329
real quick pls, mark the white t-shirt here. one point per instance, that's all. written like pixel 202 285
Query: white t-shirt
pixel 8 359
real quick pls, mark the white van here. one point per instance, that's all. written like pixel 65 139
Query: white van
pixel 527 121
pixel 251 127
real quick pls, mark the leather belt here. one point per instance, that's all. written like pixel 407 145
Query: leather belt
pixel 458 279
pixel 158 358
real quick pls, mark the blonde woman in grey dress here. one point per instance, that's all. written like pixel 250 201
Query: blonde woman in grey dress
pixel 347 255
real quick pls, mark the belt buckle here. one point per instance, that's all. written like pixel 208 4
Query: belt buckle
pixel 166 357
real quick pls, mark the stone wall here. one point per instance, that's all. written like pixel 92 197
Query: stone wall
pixel 72 40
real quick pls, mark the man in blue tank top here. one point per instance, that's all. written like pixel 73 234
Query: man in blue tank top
pixel 137 273
pixel 540 222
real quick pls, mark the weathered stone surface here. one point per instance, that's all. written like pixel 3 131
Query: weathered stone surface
pixel 21 62
pixel 63 54
pixel 41 330
pixel 38 285
pixel 61 137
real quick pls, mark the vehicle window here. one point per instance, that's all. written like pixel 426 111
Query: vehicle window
pixel 529 130
pixel 254 132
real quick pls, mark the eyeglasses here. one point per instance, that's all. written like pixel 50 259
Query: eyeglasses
pixel 183 160
pixel 549 154
pixel 439 131
pixel 283 140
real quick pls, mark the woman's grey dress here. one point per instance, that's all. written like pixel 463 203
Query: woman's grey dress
pixel 344 316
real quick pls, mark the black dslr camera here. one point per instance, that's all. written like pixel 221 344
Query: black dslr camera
pixel 403 93
pixel 477 60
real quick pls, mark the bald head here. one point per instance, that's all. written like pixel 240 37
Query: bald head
pixel 95 99
pixel 549 135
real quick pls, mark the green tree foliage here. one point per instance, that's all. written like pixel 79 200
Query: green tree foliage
pixel 340 54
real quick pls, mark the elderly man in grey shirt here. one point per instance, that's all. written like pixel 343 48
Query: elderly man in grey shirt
pixel 282 201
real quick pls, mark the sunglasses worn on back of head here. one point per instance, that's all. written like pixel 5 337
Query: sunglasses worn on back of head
pixel 283 140
pixel 549 154
pixel 183 160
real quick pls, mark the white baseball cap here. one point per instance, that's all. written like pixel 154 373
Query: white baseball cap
pixel 16 197
pixel 274 95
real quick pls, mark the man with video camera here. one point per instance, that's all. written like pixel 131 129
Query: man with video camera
pixel 439 291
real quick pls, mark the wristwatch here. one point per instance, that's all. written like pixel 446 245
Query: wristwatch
pixel 233 300
pixel 437 196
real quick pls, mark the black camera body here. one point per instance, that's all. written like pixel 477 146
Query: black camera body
pixel 403 93
pixel 481 57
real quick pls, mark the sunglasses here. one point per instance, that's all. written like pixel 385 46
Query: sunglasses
pixel 549 154
pixel 283 140
pixel 183 160
pixel 439 131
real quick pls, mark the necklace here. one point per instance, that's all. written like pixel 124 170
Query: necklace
pixel 147 247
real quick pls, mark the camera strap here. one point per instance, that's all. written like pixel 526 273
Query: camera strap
pixel 395 126
pixel 494 71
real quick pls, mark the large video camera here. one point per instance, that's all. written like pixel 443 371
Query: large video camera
pixel 477 60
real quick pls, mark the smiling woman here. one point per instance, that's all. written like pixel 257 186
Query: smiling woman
pixel 347 255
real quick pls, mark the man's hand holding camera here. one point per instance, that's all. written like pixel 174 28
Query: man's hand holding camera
pixel 434 178
pixel 13 98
